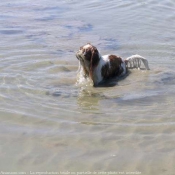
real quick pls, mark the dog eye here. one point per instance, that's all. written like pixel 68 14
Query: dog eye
pixel 84 53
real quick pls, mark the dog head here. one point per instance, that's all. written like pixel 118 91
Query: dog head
pixel 88 57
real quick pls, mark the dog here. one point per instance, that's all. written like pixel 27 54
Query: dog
pixel 99 68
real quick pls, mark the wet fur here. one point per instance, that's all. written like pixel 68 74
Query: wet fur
pixel 100 68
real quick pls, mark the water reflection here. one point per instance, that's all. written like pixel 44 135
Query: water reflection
pixel 90 97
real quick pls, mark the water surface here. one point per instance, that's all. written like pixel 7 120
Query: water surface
pixel 48 123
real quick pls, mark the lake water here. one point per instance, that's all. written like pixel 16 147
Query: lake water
pixel 48 123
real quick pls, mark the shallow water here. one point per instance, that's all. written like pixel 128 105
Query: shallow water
pixel 50 124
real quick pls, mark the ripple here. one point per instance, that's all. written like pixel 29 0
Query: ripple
pixel 47 118
pixel 10 32
pixel 130 124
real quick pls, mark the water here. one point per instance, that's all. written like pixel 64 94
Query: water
pixel 47 123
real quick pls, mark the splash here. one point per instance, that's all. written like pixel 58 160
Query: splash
pixel 81 79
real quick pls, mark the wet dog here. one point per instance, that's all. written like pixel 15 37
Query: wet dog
pixel 100 68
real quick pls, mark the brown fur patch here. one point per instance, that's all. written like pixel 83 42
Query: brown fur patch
pixel 113 68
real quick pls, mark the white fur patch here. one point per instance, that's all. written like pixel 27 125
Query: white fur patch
pixel 97 71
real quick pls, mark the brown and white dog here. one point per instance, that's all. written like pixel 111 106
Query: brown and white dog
pixel 98 68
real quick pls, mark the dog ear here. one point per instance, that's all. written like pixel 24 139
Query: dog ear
pixel 94 59
pixel 94 56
